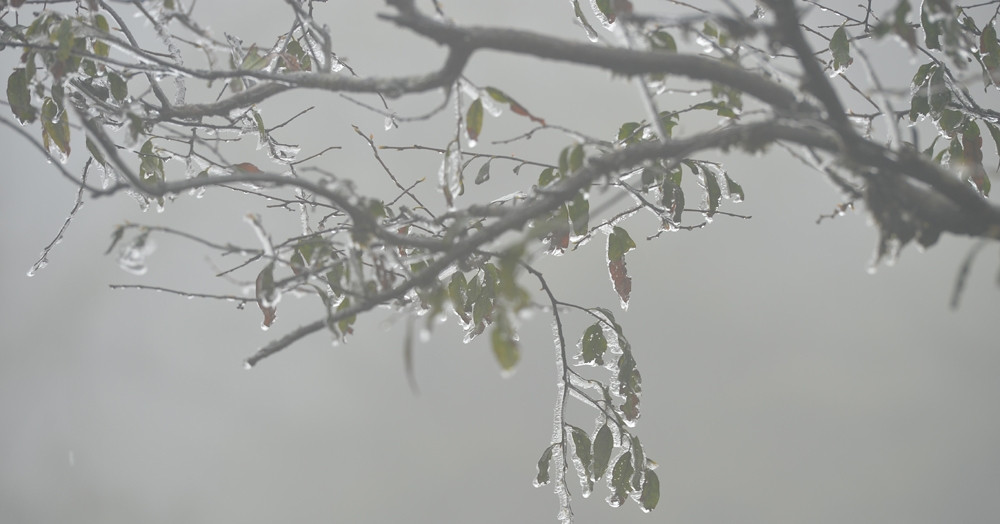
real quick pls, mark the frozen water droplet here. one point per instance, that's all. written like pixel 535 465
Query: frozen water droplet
pixel 247 365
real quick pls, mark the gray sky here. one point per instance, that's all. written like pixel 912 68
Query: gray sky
pixel 782 382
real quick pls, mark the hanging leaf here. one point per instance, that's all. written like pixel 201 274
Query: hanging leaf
pixel 939 95
pixel 474 121
pixel 650 495
pixel 543 467
pixel 621 475
pixel 840 46
pixel 266 296
pixel 619 243
pixel 989 51
pixel 593 344
pixel 735 190
pixel 603 445
pixel 484 172
pixel 591 33
pixel 638 462
pixel 504 342
pixel 517 108
pixel 581 447
pixel 55 126
pixel 119 88
pixel 458 292
pixel 150 166
pixel 579 214
pixel 19 97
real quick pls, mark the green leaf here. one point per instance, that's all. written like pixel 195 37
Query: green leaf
pixel 458 292
pixel 253 60
pixel 543 467
pixel 932 30
pixel 663 41
pixel 713 191
pixel 102 24
pixel 65 38
pixel 621 475
pixel 672 199
pixel 650 495
pixel 546 177
pixel 151 166
pixel 55 126
pixel 505 344
pixel 119 88
pixel 484 172
pixel 19 97
pixel 950 120
pixel 96 152
pixel 922 74
pixel 345 324
pixel 474 120
pixel 579 214
pixel 840 46
pixel 938 93
pixel 603 445
pixel 628 377
pixel 581 445
pixel 639 463
pixel 497 95
pixel 919 105
pixel 594 344
pixel 995 133
pixel 606 9
pixel 619 243
pixel 628 133
pixel 735 190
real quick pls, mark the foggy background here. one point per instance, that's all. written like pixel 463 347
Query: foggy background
pixel 781 381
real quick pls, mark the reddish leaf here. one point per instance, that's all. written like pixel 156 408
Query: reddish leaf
pixel 266 296
pixel 246 167
pixel 620 279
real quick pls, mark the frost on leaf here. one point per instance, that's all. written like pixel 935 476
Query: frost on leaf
pixel 619 243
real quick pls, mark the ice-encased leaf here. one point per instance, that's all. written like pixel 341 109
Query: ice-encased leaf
pixel 579 214
pixel 650 495
pixel 621 475
pixel 638 463
pixel 484 172
pixel 735 190
pixel 619 243
pixel 840 46
pixel 267 296
pixel 150 165
pixel 594 344
pixel 504 343
pixel 591 33
pixel 603 445
pixel 458 292
pixel 582 459
pixel 474 121
pixel 542 478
